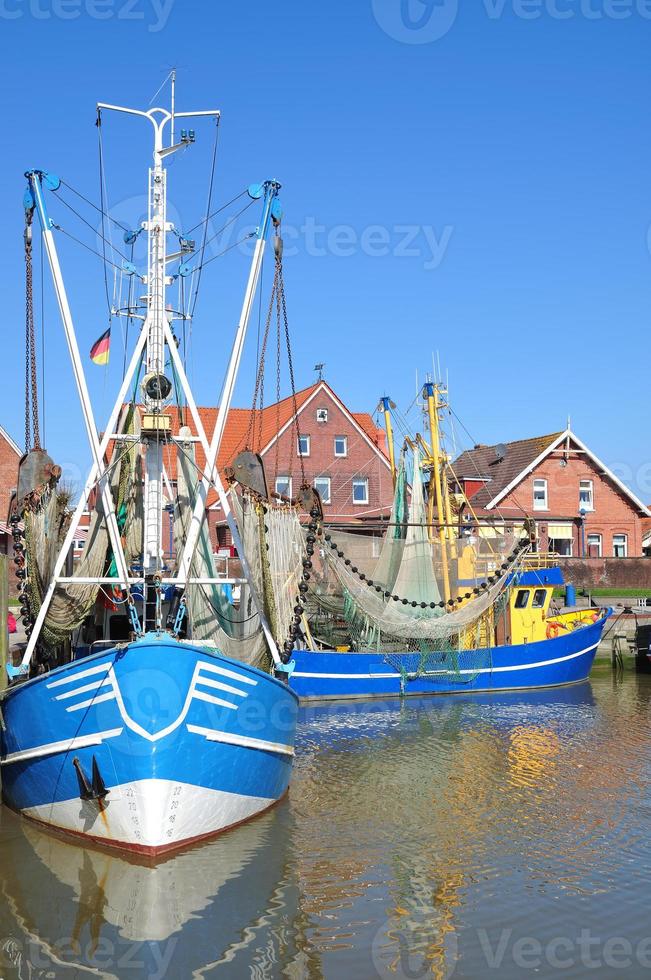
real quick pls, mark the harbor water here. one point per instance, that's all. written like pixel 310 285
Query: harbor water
pixel 463 836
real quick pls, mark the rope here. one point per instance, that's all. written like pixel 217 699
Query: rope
pixel 101 197
pixel 90 203
pixel 205 227
pixel 32 433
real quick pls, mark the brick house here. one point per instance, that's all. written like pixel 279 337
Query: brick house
pixel 343 454
pixel 10 455
pixel 581 508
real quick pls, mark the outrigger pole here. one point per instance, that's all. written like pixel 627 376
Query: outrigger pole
pixel 155 335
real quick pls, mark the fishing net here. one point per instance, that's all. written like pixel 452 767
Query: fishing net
pixel 47 519
pixel 273 544
pixel 429 607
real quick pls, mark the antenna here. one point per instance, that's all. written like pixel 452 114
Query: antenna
pixel 173 79
pixel 319 368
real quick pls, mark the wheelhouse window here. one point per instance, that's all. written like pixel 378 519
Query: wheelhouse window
pixel 360 490
pixel 586 495
pixel 620 545
pixel 303 447
pixel 322 486
pixel 284 485
pixel 522 598
pixel 341 446
pixel 540 494
pixel 539 597
pixel 595 546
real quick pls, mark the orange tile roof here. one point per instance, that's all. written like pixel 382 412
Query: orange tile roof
pixel 244 432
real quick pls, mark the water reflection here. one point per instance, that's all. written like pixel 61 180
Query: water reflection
pixel 415 832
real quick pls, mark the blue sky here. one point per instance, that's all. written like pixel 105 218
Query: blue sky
pixel 472 180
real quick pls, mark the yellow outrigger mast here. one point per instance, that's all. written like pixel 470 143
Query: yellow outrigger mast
pixel 439 489
pixel 386 405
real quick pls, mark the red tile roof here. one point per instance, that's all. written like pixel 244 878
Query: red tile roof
pixel 499 469
pixel 244 432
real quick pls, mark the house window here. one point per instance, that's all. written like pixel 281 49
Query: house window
pixel 595 549
pixel 78 544
pixel 561 539
pixel 360 490
pixel 322 414
pixel 322 486
pixel 284 486
pixel 540 494
pixel 341 445
pixel 303 447
pixel 586 495
pixel 620 546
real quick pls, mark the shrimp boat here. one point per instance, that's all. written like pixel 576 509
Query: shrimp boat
pixel 141 716
pixel 444 603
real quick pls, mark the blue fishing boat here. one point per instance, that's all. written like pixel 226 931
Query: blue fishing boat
pixel 145 714
pixel 437 605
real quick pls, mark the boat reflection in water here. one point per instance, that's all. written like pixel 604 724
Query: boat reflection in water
pixel 433 796
pixel 411 828
pixel 78 911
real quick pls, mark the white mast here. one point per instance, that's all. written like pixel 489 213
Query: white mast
pixel 156 334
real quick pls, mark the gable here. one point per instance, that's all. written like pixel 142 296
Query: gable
pixel 6 438
pixel 322 396
pixel 498 467
pixel 568 442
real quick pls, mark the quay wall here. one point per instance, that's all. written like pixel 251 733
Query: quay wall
pixel 607 573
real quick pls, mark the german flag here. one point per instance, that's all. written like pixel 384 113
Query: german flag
pixel 99 352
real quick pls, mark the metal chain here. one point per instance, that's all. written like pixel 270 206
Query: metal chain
pixel 283 303
pixel 276 284
pixel 32 433
pixel 278 301
pixel 258 394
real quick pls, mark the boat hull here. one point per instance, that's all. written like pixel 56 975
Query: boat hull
pixel 186 743
pixel 566 659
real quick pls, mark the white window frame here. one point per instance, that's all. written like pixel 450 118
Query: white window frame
pixel 303 436
pixel 344 439
pixel 588 508
pixel 322 415
pixel 544 504
pixel 324 479
pixel 359 480
pixel 623 539
pixel 284 481
pixel 599 543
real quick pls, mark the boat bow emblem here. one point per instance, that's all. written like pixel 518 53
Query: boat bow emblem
pixel 150 701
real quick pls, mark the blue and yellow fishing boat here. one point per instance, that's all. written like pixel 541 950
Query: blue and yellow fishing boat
pixel 442 604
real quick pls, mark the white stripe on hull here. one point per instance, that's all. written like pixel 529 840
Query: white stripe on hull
pixel 483 670
pixel 151 814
